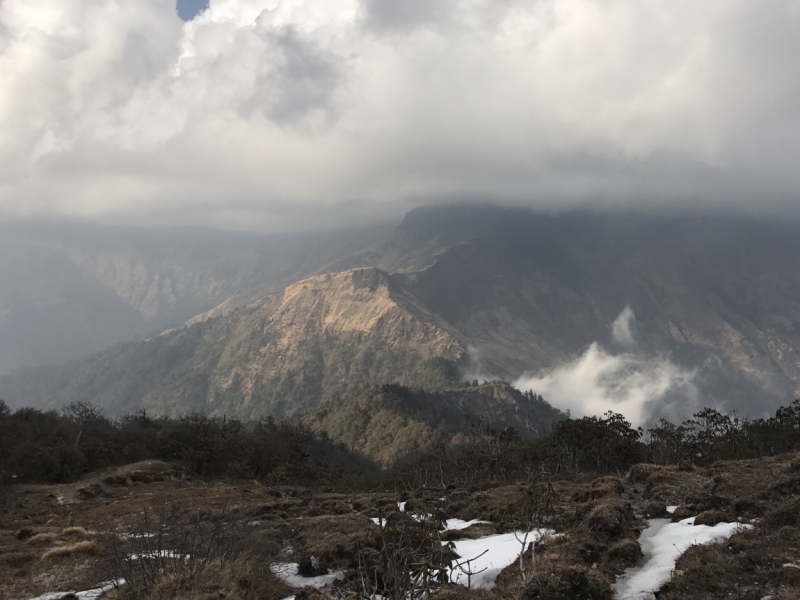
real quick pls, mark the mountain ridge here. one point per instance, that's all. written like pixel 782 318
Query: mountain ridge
pixel 494 293
pixel 289 351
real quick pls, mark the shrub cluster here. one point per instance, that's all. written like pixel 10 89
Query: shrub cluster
pixel 598 445
pixel 46 446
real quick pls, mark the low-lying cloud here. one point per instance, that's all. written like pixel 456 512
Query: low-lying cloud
pixel 641 388
pixel 622 328
pixel 290 113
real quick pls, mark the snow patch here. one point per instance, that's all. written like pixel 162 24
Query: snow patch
pixel 488 556
pixel 662 543
pixel 289 573
pixel 158 554
pixel 458 524
pixel 92 594
pixel 449 524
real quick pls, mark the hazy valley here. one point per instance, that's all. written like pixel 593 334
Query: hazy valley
pixel 645 314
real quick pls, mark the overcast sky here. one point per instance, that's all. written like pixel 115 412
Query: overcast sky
pixel 283 114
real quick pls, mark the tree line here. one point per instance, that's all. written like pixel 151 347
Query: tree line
pixel 607 444
pixel 48 446
pixel 52 447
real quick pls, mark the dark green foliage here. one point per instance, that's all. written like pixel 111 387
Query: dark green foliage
pixel 49 447
pixel 595 444
pixel 599 446
pixel 710 436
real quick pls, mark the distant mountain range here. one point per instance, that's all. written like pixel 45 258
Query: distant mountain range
pixel 68 289
pixel 465 291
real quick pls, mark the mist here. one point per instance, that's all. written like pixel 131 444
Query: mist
pixel 640 386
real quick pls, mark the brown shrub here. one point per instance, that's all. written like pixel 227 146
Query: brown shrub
pixel 610 520
pixel 179 552
pixel 41 539
pixel 656 510
pixel 238 579
pixel 17 559
pixel 627 551
pixel 75 532
pixel 601 487
pixel 566 584
pixel 683 512
pixel 460 592
pixel 641 472
pixel 711 518
pixel 787 514
pixel 310 593
pixel 84 547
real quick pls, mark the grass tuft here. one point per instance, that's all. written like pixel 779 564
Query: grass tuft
pixel 76 548
pixel 40 539
pixel 75 531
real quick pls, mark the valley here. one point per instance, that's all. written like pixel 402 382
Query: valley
pixel 456 293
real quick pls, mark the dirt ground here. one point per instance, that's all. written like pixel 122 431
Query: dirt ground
pixel 50 534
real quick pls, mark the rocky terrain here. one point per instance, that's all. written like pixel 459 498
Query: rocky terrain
pixel 69 537
pixel 323 336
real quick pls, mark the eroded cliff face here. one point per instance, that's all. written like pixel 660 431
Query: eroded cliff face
pixel 325 335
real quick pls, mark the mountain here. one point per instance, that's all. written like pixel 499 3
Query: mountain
pixel 69 289
pixel 718 296
pixel 390 422
pixel 325 335
pixel 689 310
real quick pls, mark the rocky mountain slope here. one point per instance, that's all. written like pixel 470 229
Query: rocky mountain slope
pixel 322 336
pixel 392 422
pixel 715 296
pixel 709 302
pixel 68 289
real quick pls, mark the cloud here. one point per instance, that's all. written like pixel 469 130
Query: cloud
pixel 621 328
pixel 641 388
pixel 287 113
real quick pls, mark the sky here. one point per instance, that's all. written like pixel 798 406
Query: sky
pixel 188 9
pixel 291 114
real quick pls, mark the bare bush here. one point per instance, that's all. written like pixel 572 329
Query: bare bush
pixel 176 550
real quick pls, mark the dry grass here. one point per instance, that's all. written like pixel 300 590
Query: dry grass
pixel 75 532
pixel 41 539
pixel 237 579
pixel 84 547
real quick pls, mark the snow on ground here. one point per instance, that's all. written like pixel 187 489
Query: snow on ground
pixel 671 509
pixel 449 524
pixel 458 524
pixel 92 594
pixel 489 555
pixel 662 543
pixel 159 554
pixel 288 572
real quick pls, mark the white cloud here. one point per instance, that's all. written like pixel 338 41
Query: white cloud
pixel 283 112
pixel 621 328
pixel 639 387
